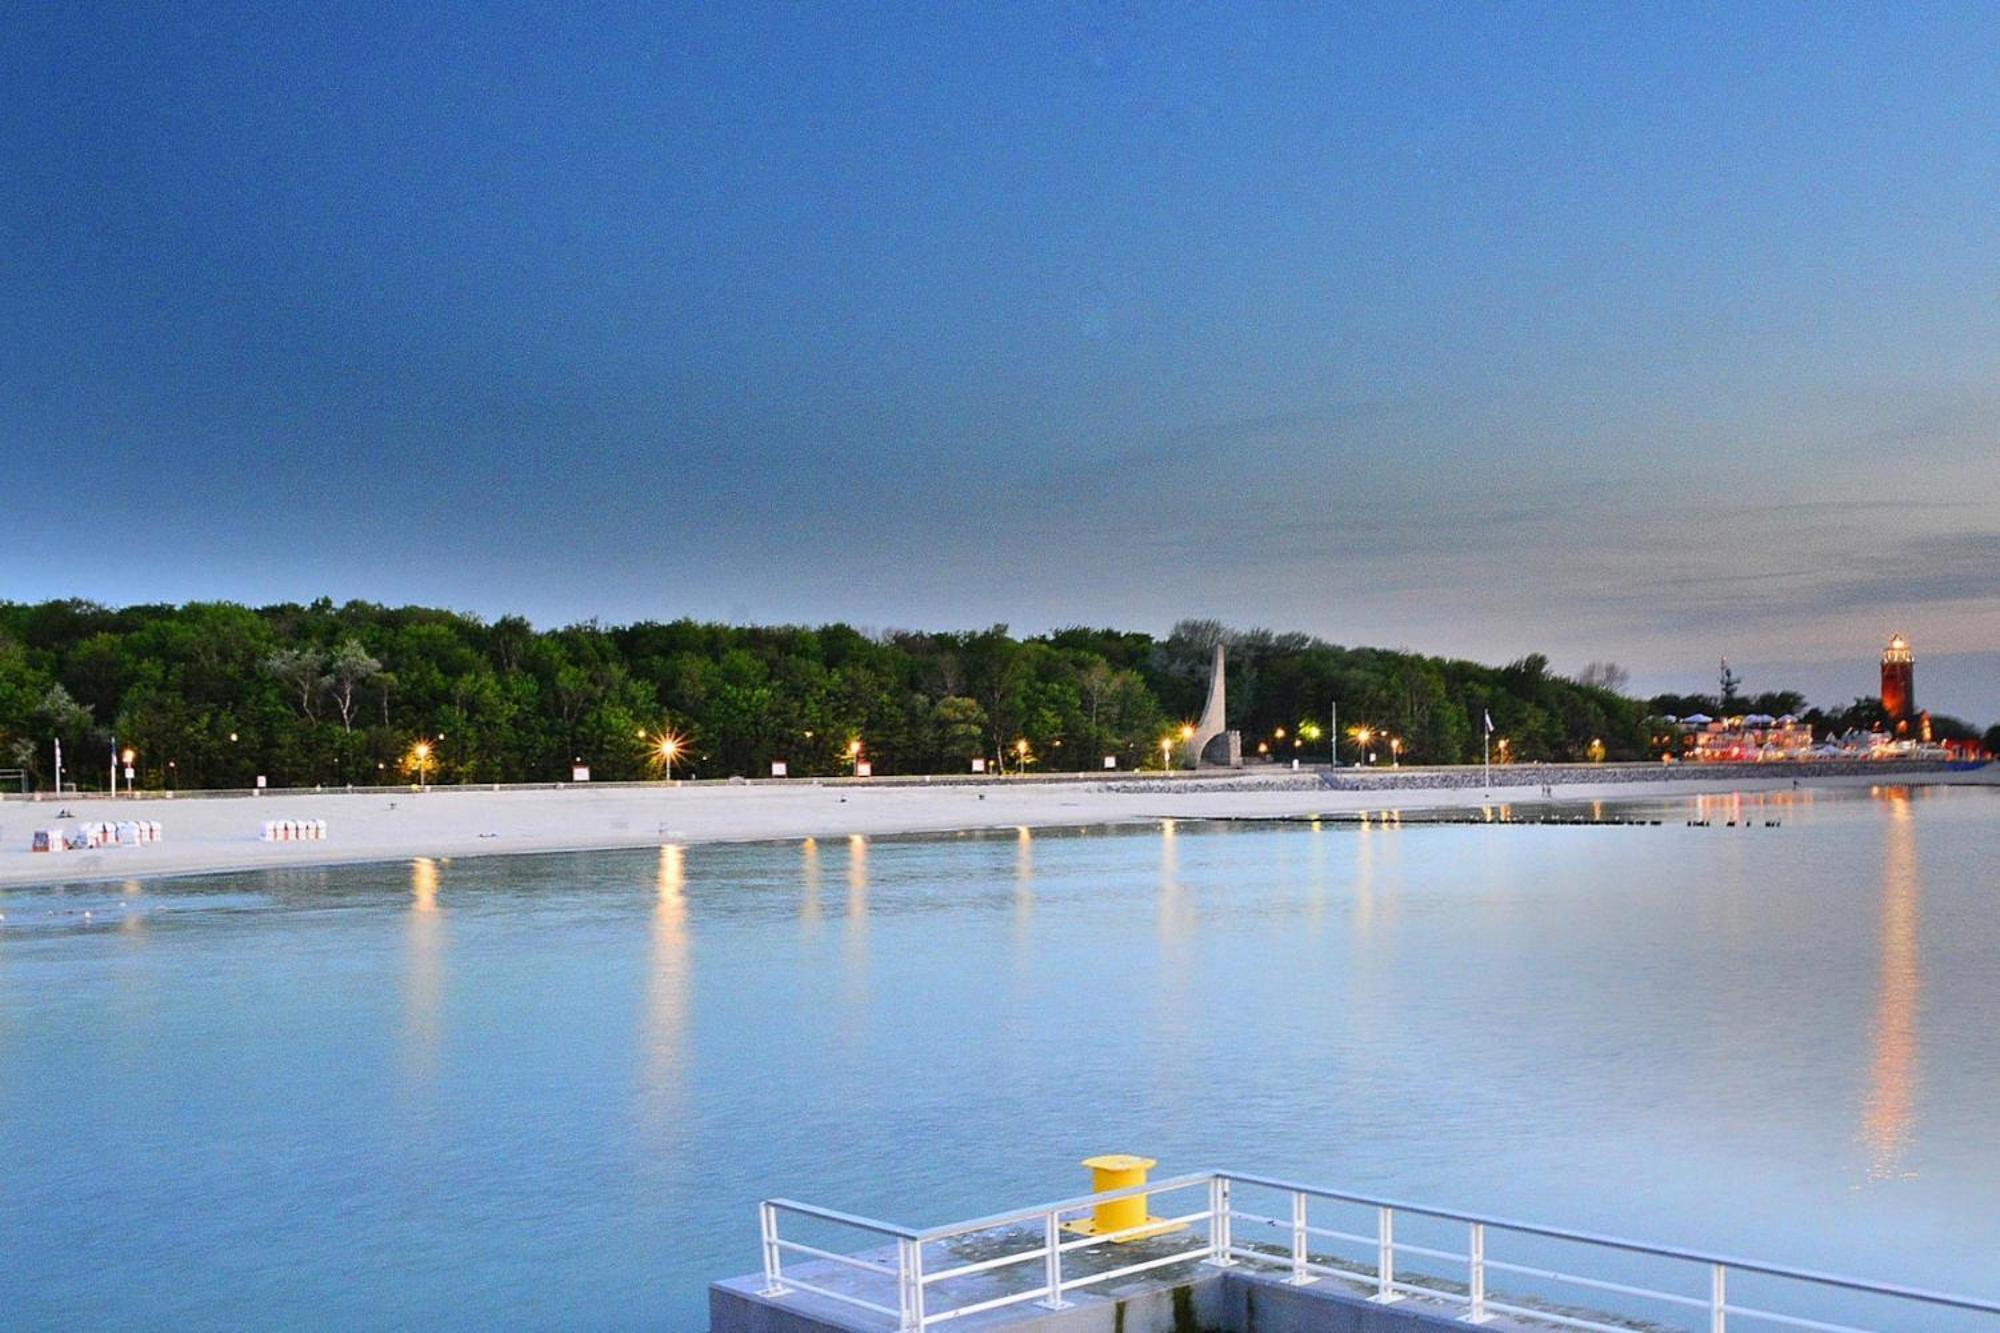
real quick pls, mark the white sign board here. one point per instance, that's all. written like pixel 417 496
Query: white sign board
pixel 260 782
pixel 777 768
pixel 864 769
pixel 579 773
pixel 979 765
pixel 1111 761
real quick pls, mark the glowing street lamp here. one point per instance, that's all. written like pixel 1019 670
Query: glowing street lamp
pixel 664 748
pixel 420 755
pixel 1021 755
pixel 854 755
pixel 1166 753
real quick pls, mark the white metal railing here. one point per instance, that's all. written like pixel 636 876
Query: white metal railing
pixel 901 1289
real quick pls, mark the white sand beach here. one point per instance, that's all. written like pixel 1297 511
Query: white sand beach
pixel 216 833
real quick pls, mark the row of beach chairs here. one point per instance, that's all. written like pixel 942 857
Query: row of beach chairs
pixel 101 833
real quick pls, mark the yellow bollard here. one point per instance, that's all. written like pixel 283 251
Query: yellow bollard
pixel 1118 1171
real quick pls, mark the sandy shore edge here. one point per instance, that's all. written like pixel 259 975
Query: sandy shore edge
pixel 210 835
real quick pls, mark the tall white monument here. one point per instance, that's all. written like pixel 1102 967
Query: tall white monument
pixel 1213 744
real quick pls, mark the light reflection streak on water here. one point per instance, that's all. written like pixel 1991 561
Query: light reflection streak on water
pixel 1024 895
pixel 1316 889
pixel 854 940
pixel 423 981
pixel 1889 1117
pixel 1364 883
pixel 667 990
pixel 1176 911
pixel 134 919
pixel 811 910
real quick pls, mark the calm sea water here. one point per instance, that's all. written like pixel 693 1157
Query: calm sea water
pixel 547 1091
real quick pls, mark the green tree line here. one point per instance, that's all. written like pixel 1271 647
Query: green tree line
pixel 214 695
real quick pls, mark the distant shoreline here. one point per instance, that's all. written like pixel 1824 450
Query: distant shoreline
pixel 219 834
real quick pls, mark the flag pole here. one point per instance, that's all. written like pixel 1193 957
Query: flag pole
pixel 1486 746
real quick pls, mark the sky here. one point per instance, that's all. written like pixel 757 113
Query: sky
pixel 1647 333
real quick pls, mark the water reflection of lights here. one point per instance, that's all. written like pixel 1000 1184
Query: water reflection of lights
pixel 672 880
pixel 423 979
pixel 667 987
pixel 810 908
pixel 424 885
pixel 133 920
pixel 1024 880
pixel 1176 912
pixel 857 880
pixel 1889 1117
pixel 854 944
pixel 1364 882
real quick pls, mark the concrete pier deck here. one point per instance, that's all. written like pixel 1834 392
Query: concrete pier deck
pixel 1194 1298
pixel 1237 1263
pixel 1191 1296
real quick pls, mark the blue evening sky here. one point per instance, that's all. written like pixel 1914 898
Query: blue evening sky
pixel 1650 333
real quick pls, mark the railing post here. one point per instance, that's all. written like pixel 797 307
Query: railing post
pixel 1385 1258
pixel 917 1285
pixel 909 1285
pixel 1300 1277
pixel 1718 1299
pixel 1475 1262
pixel 1219 1242
pixel 774 1262
pixel 1052 1260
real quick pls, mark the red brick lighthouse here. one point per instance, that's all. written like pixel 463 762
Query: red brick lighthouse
pixel 1899 700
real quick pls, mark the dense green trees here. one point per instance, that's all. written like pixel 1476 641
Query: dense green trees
pixel 213 695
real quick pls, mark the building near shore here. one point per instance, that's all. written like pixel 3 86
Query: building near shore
pixel 1899 671
pixel 1755 738
pixel 1899 691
